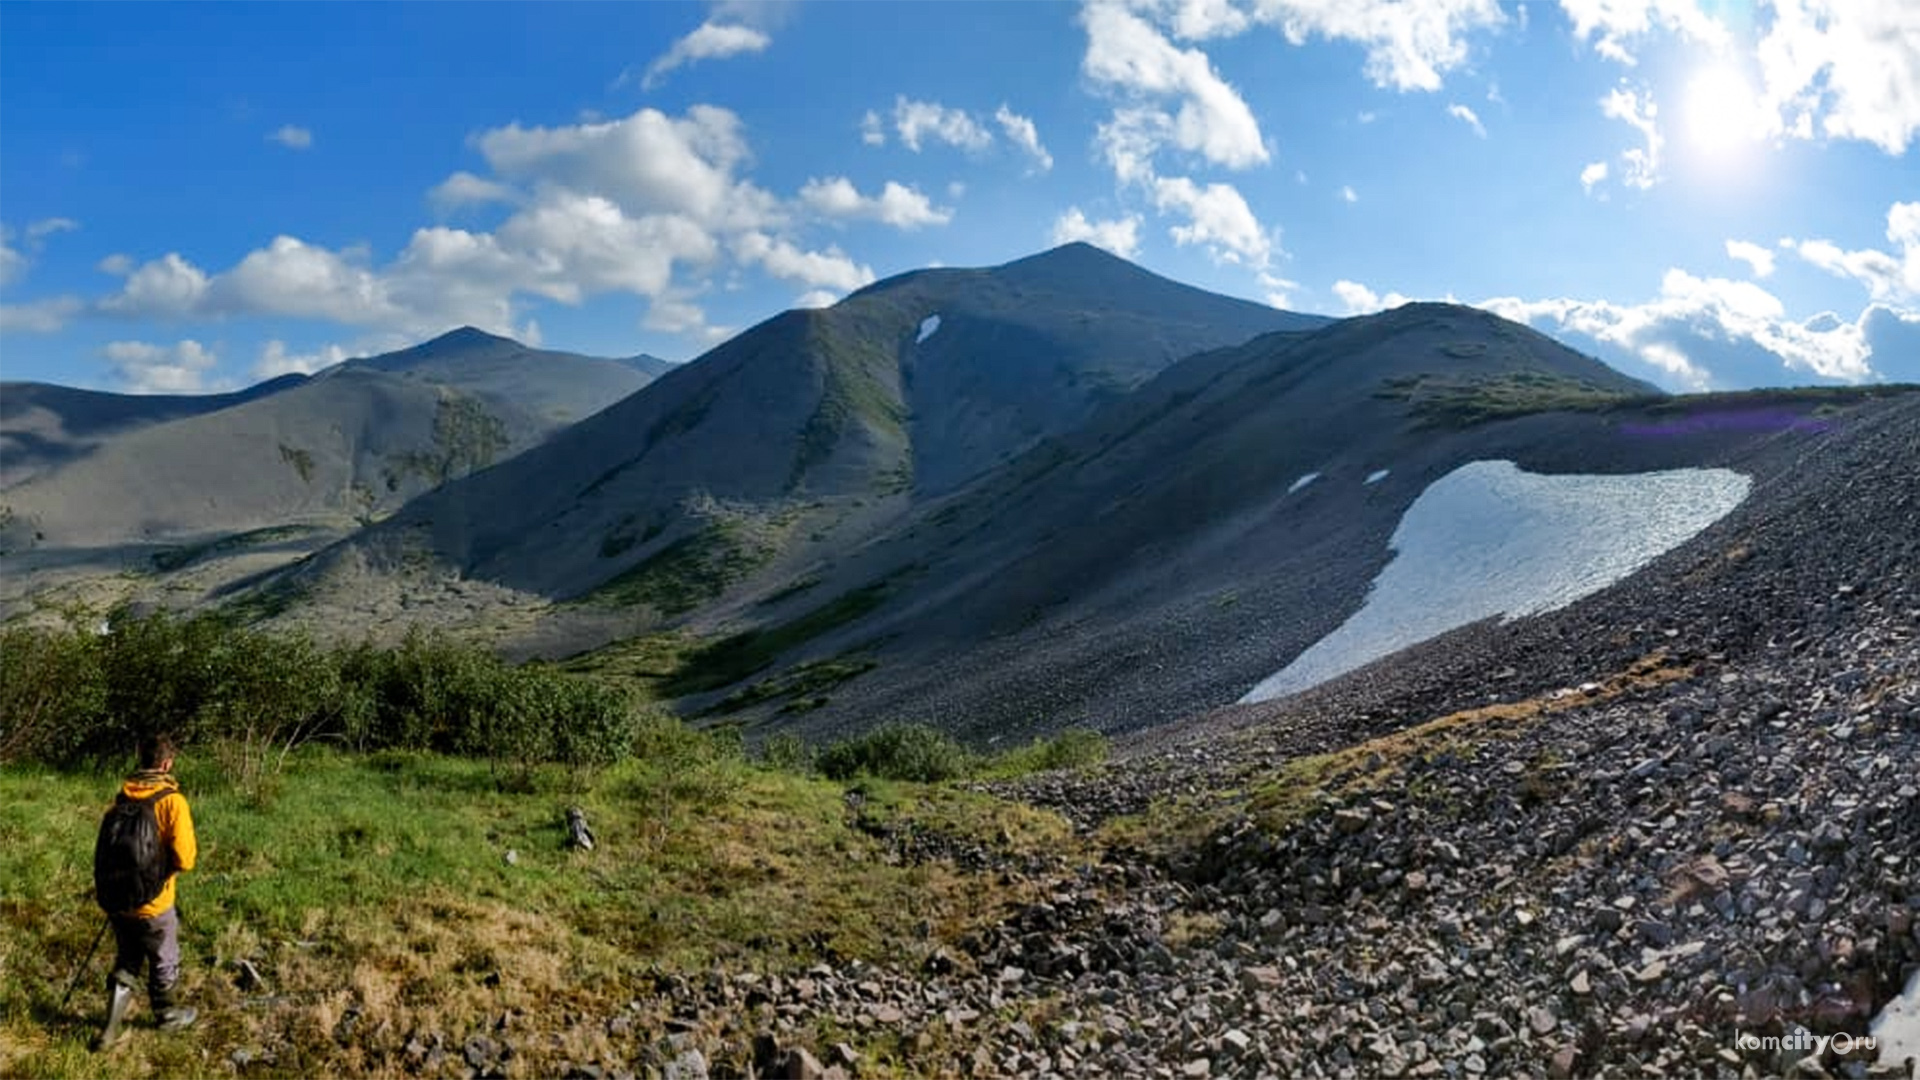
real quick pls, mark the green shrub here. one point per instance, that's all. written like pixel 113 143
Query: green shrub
pixel 787 752
pixel 52 693
pixel 898 752
pixel 1075 748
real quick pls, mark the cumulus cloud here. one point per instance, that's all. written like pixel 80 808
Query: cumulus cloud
pixel 167 287
pixel 1360 300
pixel 829 269
pixel 648 162
pixel 145 368
pixel 1118 235
pixel 1593 175
pixel 292 137
pixel 1760 259
pixel 1700 333
pixel 463 189
pixel 896 205
pixel 919 122
pixel 276 360
pixel 1409 43
pixel 1021 132
pixel 1852 64
pixel 709 41
pixel 1217 217
pixel 1641 165
pixel 1279 291
pixel 1618 24
pixel 1887 276
pixel 1468 117
pixel 873 130
pixel 1128 55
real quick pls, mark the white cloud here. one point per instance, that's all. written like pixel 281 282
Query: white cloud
pixel 896 205
pixel 647 162
pixel 709 41
pixel 1592 175
pixel 117 264
pixel 1409 43
pixel 1887 276
pixel 1855 64
pixel 146 368
pixel 167 287
pixel 1279 290
pixel 464 189
pixel 292 137
pixel 1755 256
pixel 1347 194
pixel 1125 52
pixel 1021 133
pixel 1467 116
pixel 1218 217
pixel 1360 300
pixel 14 262
pixel 1118 235
pixel 1704 332
pixel 48 316
pixel 919 121
pixel 677 315
pixel 1621 22
pixel 873 131
pixel 276 361
pixel 1642 164
pixel 829 269
pixel 1198 20
pixel 817 298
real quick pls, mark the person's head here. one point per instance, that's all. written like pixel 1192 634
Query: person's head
pixel 156 751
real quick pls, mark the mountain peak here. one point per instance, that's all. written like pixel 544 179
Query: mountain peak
pixel 467 336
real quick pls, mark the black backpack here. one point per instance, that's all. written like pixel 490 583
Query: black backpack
pixel 130 864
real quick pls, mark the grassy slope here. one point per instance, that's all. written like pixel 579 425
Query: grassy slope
pixel 380 887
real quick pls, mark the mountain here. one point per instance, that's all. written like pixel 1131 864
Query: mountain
pixel 315 455
pixel 813 429
pixel 43 425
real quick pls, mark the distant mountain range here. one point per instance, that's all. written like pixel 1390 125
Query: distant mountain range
pixel 1059 491
pixel 350 443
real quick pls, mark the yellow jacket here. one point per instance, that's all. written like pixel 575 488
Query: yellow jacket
pixel 176 831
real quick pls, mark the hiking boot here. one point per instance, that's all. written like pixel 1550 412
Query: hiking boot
pixel 178 1017
pixel 119 999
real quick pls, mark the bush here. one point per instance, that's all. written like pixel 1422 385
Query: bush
pixel 787 752
pixel 1075 748
pixel 52 694
pixel 898 752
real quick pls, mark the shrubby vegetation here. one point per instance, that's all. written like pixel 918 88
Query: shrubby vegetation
pixel 920 753
pixel 74 698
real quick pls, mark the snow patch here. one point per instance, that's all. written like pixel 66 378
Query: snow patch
pixel 1488 539
pixel 1897 1029
pixel 1377 475
pixel 927 326
pixel 1303 482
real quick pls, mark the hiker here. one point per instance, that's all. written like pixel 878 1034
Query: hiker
pixel 148 935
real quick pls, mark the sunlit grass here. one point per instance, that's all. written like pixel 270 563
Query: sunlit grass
pixel 376 898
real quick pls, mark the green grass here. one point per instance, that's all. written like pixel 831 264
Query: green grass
pixel 176 557
pixel 801 684
pixel 381 884
pixel 1454 401
pixel 686 573
pixel 731 659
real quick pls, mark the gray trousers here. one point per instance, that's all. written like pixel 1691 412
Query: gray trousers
pixel 150 944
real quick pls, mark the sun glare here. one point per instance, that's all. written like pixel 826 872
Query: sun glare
pixel 1722 112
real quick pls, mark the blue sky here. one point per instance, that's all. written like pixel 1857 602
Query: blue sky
pixel 1706 194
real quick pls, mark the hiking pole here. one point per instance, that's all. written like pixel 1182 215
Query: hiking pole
pixel 75 984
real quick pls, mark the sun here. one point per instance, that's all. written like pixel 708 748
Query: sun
pixel 1721 112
